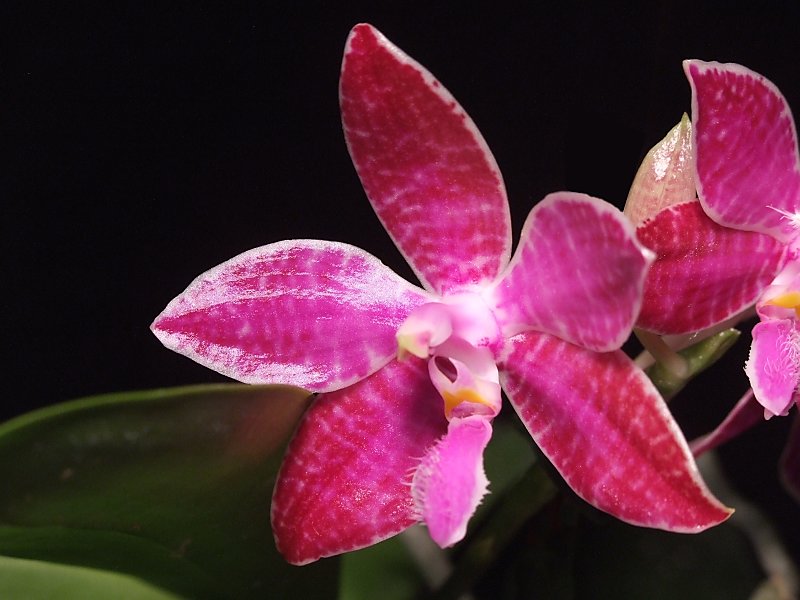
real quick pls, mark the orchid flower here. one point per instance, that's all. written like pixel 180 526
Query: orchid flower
pixel 410 378
pixel 738 244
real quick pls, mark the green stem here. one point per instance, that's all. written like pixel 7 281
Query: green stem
pixel 662 353
pixel 697 358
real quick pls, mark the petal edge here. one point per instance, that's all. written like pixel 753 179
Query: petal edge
pixel 605 428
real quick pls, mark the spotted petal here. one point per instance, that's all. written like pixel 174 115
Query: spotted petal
pixel 345 479
pixel 747 161
pixel 602 424
pixel 742 417
pixel 704 273
pixel 319 315
pixel 774 364
pixel 578 273
pixel 425 167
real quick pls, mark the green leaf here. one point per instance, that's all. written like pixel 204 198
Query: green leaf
pixel 32 580
pixel 385 570
pixel 172 486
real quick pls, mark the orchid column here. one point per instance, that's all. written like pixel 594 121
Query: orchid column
pixel 410 378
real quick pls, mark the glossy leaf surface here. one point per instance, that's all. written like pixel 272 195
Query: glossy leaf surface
pixel 35 580
pixel 171 486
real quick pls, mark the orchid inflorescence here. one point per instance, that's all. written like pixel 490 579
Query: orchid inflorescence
pixel 409 379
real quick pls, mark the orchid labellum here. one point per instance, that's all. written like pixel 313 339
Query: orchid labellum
pixel 410 378
pixel 738 243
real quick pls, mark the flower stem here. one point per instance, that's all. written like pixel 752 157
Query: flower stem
pixel 697 358
pixel 662 353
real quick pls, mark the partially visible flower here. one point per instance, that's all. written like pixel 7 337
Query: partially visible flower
pixel 738 245
pixel 410 378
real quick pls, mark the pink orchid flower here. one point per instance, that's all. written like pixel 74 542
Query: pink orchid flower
pixel 738 244
pixel 409 378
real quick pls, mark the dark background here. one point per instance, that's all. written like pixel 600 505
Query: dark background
pixel 148 143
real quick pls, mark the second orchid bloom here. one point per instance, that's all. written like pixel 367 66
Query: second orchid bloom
pixel 410 378
pixel 737 244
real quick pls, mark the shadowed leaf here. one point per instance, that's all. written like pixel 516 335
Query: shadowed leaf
pixel 172 486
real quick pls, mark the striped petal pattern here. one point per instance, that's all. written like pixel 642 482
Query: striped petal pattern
pixel 389 443
pixel 425 167
pixel 704 273
pixel 345 479
pixel 319 315
pixel 608 432
pixel 578 274
pixel 747 161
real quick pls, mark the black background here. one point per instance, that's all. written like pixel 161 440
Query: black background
pixel 147 143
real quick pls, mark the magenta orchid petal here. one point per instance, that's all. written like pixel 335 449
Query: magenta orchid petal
pixel 608 432
pixel 345 480
pixel 320 315
pixel 450 482
pixel 578 273
pixel 424 165
pixel 743 416
pixel 704 273
pixel 391 442
pixel 774 364
pixel 747 161
pixel 790 461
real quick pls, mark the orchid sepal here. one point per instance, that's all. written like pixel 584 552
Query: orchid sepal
pixel 747 162
pixel 377 450
pixel 420 161
pixel 665 177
